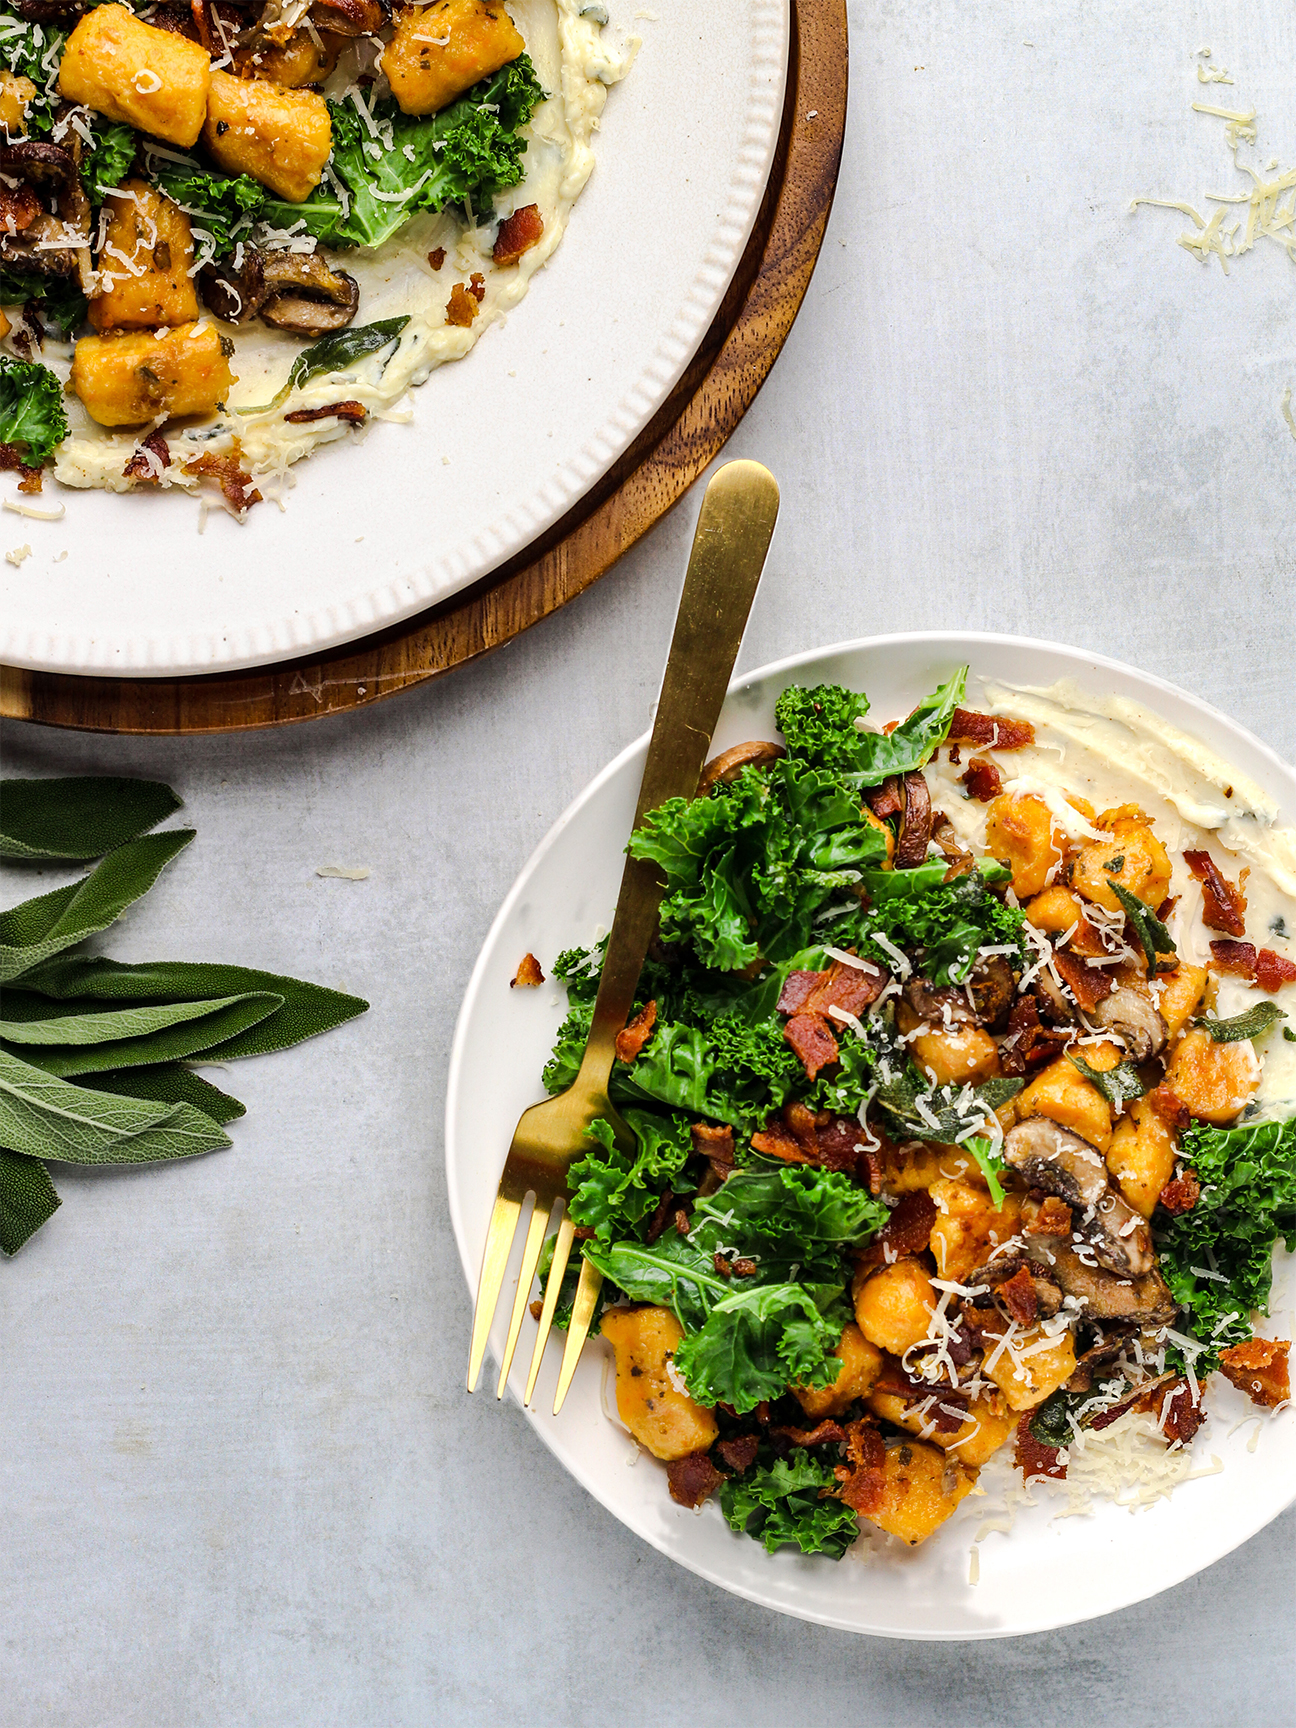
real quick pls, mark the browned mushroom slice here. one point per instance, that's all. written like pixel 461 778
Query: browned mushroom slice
pixel 915 830
pixel 234 295
pixel 1106 1295
pixel 1061 1163
pixel 1131 1016
pixel 721 769
pixel 305 297
pixel 47 11
pixel 961 861
pixel 43 164
pixel 996 1273
pixel 348 17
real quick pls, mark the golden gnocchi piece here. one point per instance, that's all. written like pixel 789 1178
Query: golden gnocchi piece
pixel 661 1416
pixel 922 1487
pixel 146 258
pixel 1057 910
pixel 1133 856
pixel 955 1056
pixel 1141 1156
pixel 1213 1080
pixel 969 1227
pixel 1179 994
pixel 894 1305
pixel 1062 1093
pixel 1021 833
pixel 126 379
pixel 1035 1367
pixel 439 51
pixel 972 1442
pixel 16 93
pixel 138 75
pixel 861 1363
pixel 280 137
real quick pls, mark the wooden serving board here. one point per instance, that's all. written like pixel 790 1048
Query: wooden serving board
pixel 689 429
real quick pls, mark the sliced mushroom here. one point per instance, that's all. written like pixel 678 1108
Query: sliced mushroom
pixel 1057 1161
pixel 47 11
pixel 1131 1016
pixel 305 297
pixel 991 986
pixel 349 17
pixel 47 165
pixel 1054 1003
pixel 993 989
pixel 961 861
pixel 915 828
pixel 234 295
pixel 1048 1293
pixel 1105 1295
pixel 721 769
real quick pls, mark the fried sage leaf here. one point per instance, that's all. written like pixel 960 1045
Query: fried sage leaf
pixel 1149 929
pixel 307 1008
pixel 170 1083
pixel 1119 1085
pixel 1249 1025
pixel 27 1199
pixel 82 816
pixel 40 928
pixel 88 1042
pixel 45 1117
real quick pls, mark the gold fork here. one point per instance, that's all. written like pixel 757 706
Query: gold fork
pixel 733 535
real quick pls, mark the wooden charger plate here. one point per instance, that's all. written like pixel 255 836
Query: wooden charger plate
pixel 692 425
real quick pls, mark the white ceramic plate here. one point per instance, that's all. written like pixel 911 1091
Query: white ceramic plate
pixel 1048 1572
pixel 526 423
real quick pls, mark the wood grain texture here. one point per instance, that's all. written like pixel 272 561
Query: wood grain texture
pixel 651 476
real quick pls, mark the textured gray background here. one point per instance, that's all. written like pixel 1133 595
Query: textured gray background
pixel 240 1480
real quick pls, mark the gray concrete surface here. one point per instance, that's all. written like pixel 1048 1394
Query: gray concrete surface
pixel 239 1478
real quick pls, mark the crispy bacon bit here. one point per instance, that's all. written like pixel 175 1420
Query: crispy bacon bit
pixel 850 988
pixel 1179 1415
pixel 1238 957
pixel 796 987
pixel 631 1039
pixel 461 307
pixel 527 974
pixel 809 1036
pixel 722 1266
pixel 982 779
pixel 715 1143
pixel 1260 1369
pixel 742 1267
pixel 1052 1219
pixel 954 755
pixel 820 1435
pixel 693 1479
pixel 518 233
pixel 1029 1043
pixel 138 466
pixel 230 475
pixel 583 1232
pixel 990 730
pixel 1170 1107
pixel 661 1217
pixel 1273 971
pixel 907 1231
pixel 1181 1194
pixel 19 208
pixel 477 286
pixel 1018 1296
pixel 354 412
pixel 1088 984
pixel 13 459
pixel 800 1136
pixel 1035 1459
pixel 915 831
pixel 437 258
pixel 862 1486
pixel 1223 905
pixel 682 1224
pixel 887 799
pixel 740 1453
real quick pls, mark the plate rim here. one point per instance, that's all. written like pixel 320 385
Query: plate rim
pixel 1239 1533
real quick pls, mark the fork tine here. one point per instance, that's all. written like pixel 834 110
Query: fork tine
pixel 526 1277
pixel 499 1240
pixel 591 1282
pixel 562 1251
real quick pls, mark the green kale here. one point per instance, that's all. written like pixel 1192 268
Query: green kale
pixel 783 1504
pixel 109 161
pixel 761 1339
pixel 945 923
pixel 31 409
pixel 387 167
pixel 222 206
pixel 819 726
pixel 914 740
pixel 60 300
pixel 1247 1200
pixel 615 1195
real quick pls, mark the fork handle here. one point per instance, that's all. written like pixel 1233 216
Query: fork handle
pixel 739 509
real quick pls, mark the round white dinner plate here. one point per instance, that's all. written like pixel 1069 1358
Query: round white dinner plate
pixel 1048 1571
pixel 501 444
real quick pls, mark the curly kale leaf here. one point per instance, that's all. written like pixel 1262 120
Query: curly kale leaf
pixel 614 1194
pixel 31 409
pixel 109 160
pixel 223 206
pixel 461 156
pixel 781 1503
pixel 944 924
pixel 60 300
pixel 761 1339
pixel 820 727
pixel 1247 1201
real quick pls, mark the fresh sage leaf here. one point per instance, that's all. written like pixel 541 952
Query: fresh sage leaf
pixel 1119 1085
pixel 307 1008
pixel 1151 932
pixel 341 347
pixel 27 1199
pixel 82 816
pixel 85 1043
pixel 170 1083
pixel 1249 1025
pixel 46 1117
pixel 40 928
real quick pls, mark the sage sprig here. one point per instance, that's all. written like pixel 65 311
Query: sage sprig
pixel 93 1052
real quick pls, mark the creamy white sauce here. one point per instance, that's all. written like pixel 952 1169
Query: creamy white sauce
pixel 1113 751
pixel 575 61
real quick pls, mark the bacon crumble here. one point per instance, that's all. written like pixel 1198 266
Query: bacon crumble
pixel 518 233
pixel 354 412
pixel 1223 905
pixel 982 779
pixel 692 1479
pixel 991 731
pixel 631 1039
pixel 528 974
pixel 1260 1368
